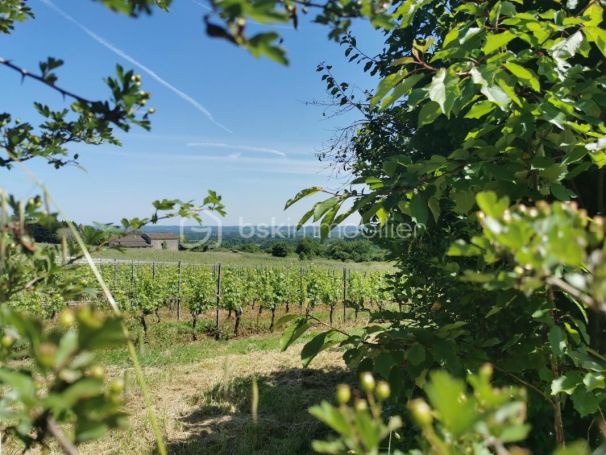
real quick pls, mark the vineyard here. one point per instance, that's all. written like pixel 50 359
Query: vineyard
pixel 193 291
pixel 222 295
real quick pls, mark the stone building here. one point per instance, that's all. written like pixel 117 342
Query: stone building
pixel 156 241
pixel 162 240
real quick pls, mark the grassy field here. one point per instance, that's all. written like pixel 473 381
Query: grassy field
pixel 233 258
pixel 202 393
pixel 204 405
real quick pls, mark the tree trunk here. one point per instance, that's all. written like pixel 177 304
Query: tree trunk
pixel 258 316
pixel 273 318
pixel 229 313
pixel 332 310
pixel 237 323
pixel 194 320
pixel 143 324
pixel 287 309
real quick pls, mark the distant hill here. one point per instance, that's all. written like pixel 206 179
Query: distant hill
pixel 255 233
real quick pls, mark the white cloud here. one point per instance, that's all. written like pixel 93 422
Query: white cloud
pixel 245 148
pixel 181 94
pixel 252 164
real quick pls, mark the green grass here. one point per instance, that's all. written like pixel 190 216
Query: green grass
pixel 202 393
pixel 154 354
pixel 170 342
pixel 234 258
pixel 284 424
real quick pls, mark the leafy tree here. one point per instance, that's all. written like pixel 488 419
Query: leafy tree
pixel 280 249
pixel 307 248
pixel 494 105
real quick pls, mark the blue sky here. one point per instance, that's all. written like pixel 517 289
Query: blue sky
pixel 258 148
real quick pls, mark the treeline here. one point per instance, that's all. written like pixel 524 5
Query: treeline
pixel 355 250
pixel 348 250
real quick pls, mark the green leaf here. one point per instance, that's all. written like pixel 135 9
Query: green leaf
pixel 85 388
pixel 594 381
pixel 444 90
pixel 597 36
pixel 329 447
pixel 557 340
pixel 332 417
pixel 21 383
pixel 408 9
pixel 403 88
pixel 416 354
pixel 418 209
pixel 318 344
pixel 576 448
pixel 446 396
pixel 566 383
pixel 480 109
pixel 464 199
pixel 297 328
pixel 428 113
pixel 384 87
pixel 87 430
pixel 515 433
pixel 366 429
pixel 491 205
pixel 524 74
pixel 437 88
pixel 306 216
pixel 261 44
pixel 561 192
pixel 586 403
pixel 321 208
pixel 494 93
pixel 302 194
pixel 434 205
pixel 494 42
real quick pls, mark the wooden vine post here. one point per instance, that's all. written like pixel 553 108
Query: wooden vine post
pixel 179 291
pixel 301 291
pixel 115 274
pixel 218 299
pixel 132 279
pixel 344 293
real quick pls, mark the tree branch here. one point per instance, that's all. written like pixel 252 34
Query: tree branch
pixel 55 430
pixel 25 73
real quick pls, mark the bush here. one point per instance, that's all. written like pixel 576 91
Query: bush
pixel 280 249
pixel 308 248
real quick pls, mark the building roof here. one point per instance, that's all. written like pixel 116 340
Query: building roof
pixel 130 241
pixel 161 236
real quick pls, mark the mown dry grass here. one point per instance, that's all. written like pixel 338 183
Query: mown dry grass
pixel 205 407
pixel 202 389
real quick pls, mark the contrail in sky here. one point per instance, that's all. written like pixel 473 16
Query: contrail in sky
pixel 184 96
